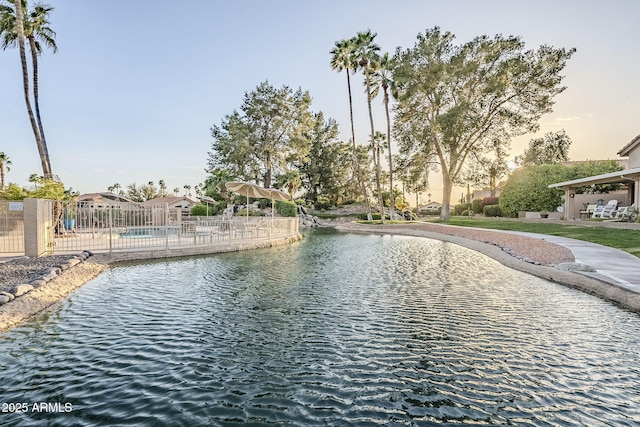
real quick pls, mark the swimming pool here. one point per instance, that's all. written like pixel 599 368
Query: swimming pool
pixel 335 330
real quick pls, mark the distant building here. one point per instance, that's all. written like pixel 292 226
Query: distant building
pixel 174 202
pixel 431 207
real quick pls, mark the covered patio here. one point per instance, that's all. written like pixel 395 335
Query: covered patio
pixel 629 178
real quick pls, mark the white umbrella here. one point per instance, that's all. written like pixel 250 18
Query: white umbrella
pixel 276 195
pixel 249 190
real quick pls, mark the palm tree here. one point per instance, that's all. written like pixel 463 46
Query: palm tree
pixel 176 191
pixel 116 187
pixel 187 190
pixel 163 188
pixel 15 26
pixel 4 168
pixel 343 59
pixel 382 78
pixel 35 180
pixel 365 51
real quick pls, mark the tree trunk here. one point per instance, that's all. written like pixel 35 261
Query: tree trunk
pixel 46 168
pixel 373 143
pixel 392 198
pixel 36 93
pixel 355 153
pixel 446 196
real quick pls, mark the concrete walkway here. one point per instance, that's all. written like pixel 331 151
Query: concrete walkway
pixel 612 265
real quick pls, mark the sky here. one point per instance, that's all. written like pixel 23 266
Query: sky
pixel 135 86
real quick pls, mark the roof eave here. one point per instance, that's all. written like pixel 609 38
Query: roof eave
pixel 612 177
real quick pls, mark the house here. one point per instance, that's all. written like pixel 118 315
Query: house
pixel 431 207
pixel 629 178
pixel 173 202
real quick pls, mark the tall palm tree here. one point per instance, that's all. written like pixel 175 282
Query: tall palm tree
pixel 163 188
pixel 343 59
pixel 187 190
pixel 4 168
pixel 365 51
pixel 15 26
pixel 382 79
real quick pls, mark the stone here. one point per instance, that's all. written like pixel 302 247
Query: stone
pixel 4 299
pixel 7 294
pixel 73 262
pixel 48 277
pixel 54 270
pixel 37 283
pixel 575 266
pixel 20 290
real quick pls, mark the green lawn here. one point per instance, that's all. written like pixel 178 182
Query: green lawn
pixel 627 240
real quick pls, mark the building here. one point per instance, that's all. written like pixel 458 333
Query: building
pixel 629 178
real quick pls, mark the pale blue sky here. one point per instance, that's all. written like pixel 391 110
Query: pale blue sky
pixel 136 85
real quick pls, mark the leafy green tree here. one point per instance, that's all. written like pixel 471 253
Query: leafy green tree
pixel 486 170
pixel 553 147
pixel 142 193
pixel 327 171
pixel 527 189
pixel 289 181
pixel 4 168
pixel 214 185
pixel 265 137
pixel 35 29
pixel 468 96
pixel 590 168
pixel 343 58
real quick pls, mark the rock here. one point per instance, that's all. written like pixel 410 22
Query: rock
pixel 48 277
pixel 37 283
pixel 7 294
pixel 4 299
pixel 89 253
pixel 574 266
pixel 73 261
pixel 54 270
pixel 20 290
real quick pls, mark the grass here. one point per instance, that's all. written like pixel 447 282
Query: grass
pixel 627 240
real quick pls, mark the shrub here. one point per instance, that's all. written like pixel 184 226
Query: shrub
pixel 527 189
pixel 374 215
pixel 288 209
pixel 252 212
pixel 459 209
pixel 322 204
pixel 492 210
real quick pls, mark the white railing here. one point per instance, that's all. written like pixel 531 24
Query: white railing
pixel 11 228
pixel 130 226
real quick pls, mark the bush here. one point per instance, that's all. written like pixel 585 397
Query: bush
pixel 322 204
pixel 201 209
pixel 527 189
pixel 252 212
pixel 492 210
pixel 460 209
pixel 288 209
pixel 374 215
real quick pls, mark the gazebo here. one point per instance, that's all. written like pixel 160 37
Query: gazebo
pixel 629 177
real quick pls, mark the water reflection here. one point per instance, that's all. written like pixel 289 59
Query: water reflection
pixel 335 330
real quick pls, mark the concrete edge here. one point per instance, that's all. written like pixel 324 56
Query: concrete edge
pixel 622 297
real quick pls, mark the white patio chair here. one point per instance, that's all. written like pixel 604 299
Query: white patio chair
pixel 607 211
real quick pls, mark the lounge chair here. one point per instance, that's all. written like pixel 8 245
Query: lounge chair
pixel 626 213
pixel 607 211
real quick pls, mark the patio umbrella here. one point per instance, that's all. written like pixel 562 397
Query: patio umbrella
pixel 276 195
pixel 249 190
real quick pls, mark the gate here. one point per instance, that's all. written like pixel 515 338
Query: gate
pixel 11 228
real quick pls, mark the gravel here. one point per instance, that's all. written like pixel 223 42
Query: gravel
pixel 25 269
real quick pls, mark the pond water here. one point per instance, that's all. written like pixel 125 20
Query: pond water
pixel 338 329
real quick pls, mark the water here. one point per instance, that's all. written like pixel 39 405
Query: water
pixel 335 330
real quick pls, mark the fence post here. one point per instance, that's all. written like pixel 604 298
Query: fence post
pixel 34 245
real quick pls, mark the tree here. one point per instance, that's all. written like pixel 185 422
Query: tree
pixel 15 26
pixel 483 170
pixel 466 97
pixel 187 190
pixel 342 58
pixel 383 79
pixel 265 137
pixel 328 170
pixel 553 147
pixel 365 51
pixel 215 185
pixel 4 168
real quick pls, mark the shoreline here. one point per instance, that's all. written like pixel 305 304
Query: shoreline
pixel 486 242
pixel 527 254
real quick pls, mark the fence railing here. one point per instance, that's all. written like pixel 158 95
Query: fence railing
pixel 65 226
pixel 12 227
pixel 131 226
